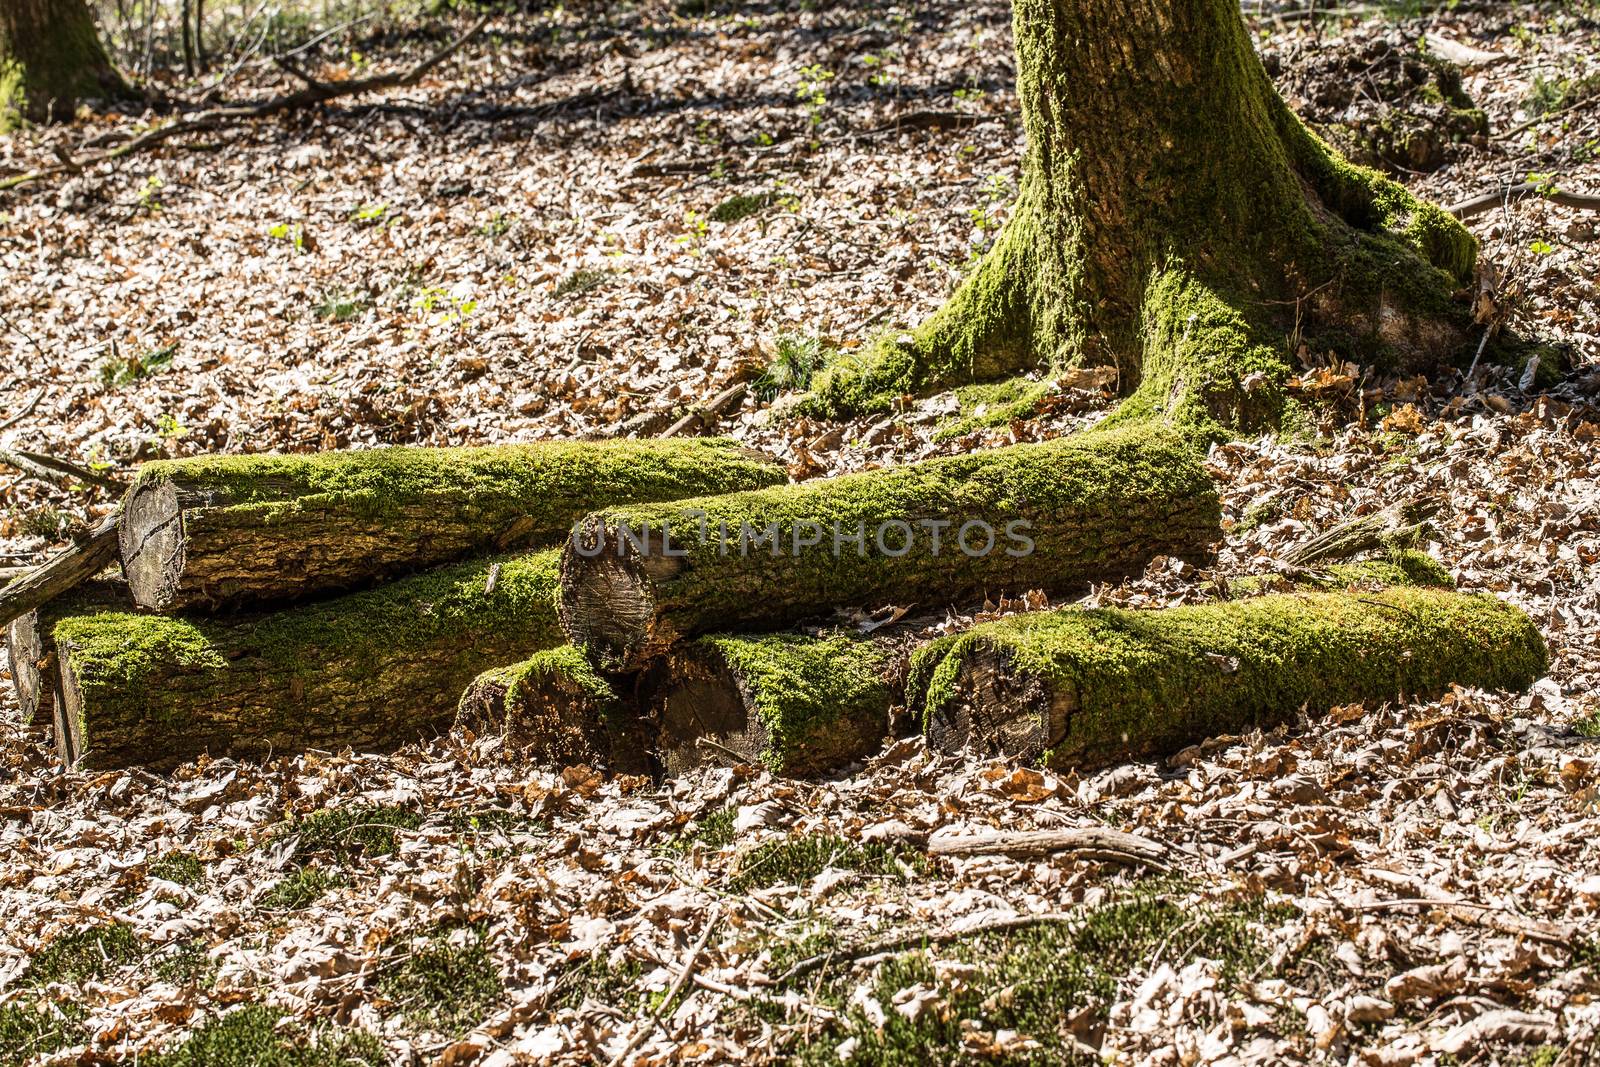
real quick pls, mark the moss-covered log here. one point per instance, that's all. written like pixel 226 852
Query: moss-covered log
pixel 553 709
pixel 797 704
pixel 31 646
pixel 50 58
pixel 370 670
pixel 1177 221
pixel 1054 516
pixel 1080 688
pixel 221 530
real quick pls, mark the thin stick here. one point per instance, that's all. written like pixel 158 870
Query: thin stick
pixel 51 469
pixel 1486 202
pixel 672 993
pixel 27 409
pixel 904 941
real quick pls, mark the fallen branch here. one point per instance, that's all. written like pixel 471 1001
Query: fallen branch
pixel 313 93
pixel 1493 916
pixel 26 410
pixel 703 418
pixel 1390 526
pixel 50 469
pixel 1478 205
pixel 1092 842
pixel 61 574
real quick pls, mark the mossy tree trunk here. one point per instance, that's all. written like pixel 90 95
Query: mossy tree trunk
pixel 1080 688
pixel 1176 220
pixel 51 58
pixel 371 670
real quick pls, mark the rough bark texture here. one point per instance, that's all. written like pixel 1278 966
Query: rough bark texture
pixel 224 530
pixel 1176 220
pixel 31 646
pixel 370 670
pixel 797 704
pixel 1080 688
pixel 635 580
pixel 552 709
pixel 50 58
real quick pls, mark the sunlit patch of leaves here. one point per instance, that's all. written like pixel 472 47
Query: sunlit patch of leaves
pixel 254 1036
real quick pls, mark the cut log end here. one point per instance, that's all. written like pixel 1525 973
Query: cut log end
pixel 705 717
pixel 997 710
pixel 150 538
pixel 26 654
pixel 608 604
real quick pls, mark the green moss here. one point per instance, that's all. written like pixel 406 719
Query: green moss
pixel 184 868
pixel 300 889
pixel 994 404
pixel 84 954
pixel 741 206
pixel 346 834
pixel 29 1032
pixel 188 964
pixel 821 700
pixel 1029 980
pixel 714 832
pixel 371 668
pixel 551 484
pixel 444 986
pixel 798 858
pixel 1110 684
pixel 255 1036
pixel 617 984
pixel 1088 505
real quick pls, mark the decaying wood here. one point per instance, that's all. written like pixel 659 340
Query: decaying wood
pixel 63 573
pixel 1389 527
pixel 1093 842
pixel 31 647
pixel 703 418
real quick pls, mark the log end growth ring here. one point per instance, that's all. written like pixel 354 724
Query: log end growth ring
pixel 608 602
pixel 150 536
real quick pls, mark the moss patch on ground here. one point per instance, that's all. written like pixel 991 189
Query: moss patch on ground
pixel 183 868
pixel 300 889
pixel 347 834
pixel 1032 980
pixel 29 1031
pixel 84 954
pixel 445 985
pixel 798 858
pixel 256 1036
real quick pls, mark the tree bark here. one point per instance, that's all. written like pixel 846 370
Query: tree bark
pixel 370 670
pixel 222 531
pixel 50 59
pixel 1082 688
pixel 1177 221
pixel 553 710
pixel 797 704
pixel 1053 516
pixel 31 646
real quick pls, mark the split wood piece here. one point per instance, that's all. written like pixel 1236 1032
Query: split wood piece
pixel 61 574
pixel 553 709
pixel 1082 688
pixel 800 705
pixel 31 646
pixel 1053 516
pixel 370 670
pixel 1394 525
pixel 1092 842
pixel 227 530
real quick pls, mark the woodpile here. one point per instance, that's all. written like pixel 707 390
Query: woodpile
pixel 632 605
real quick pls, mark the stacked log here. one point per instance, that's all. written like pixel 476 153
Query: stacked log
pixel 636 580
pixel 221 531
pixel 1080 688
pixel 31 646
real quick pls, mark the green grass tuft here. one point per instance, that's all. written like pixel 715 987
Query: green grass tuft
pixel 28 1032
pixel 299 889
pixel 190 964
pixel 798 359
pixel 84 954
pixel 443 986
pixel 346 834
pixel 797 859
pixel 184 868
pixel 580 281
pixel 713 832
pixel 252 1037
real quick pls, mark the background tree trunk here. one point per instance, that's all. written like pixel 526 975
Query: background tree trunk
pixel 50 58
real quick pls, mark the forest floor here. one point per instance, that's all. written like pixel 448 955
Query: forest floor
pixel 590 218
